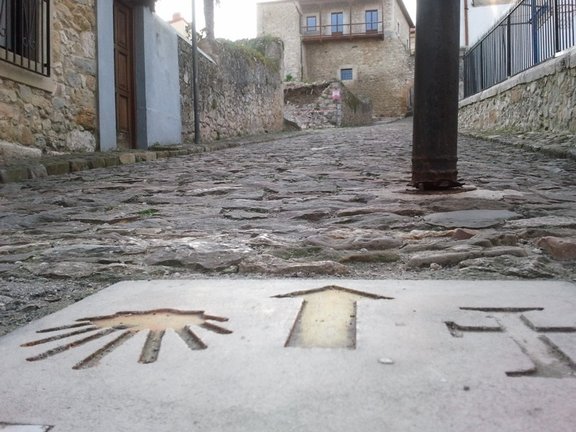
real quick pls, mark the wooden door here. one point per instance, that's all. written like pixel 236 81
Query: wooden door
pixel 124 74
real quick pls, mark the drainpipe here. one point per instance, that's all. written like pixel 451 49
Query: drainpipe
pixel 435 139
pixel 466 24
pixel 195 92
pixel 350 20
pixel 300 25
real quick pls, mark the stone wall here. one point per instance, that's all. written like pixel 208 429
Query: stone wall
pixel 324 105
pixel 56 114
pixel 401 26
pixel 281 19
pixel 240 90
pixel 383 70
pixel 540 99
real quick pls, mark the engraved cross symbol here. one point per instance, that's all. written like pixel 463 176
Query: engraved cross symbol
pixel 548 359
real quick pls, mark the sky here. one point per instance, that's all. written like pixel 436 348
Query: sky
pixel 235 19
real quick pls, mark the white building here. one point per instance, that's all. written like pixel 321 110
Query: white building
pixel 180 24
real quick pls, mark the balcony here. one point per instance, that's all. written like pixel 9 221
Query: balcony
pixel 332 32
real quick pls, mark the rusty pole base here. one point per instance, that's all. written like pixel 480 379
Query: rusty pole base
pixel 437 185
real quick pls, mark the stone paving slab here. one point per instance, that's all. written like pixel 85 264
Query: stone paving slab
pixel 318 204
pixel 246 355
pixel 31 168
pixel 470 218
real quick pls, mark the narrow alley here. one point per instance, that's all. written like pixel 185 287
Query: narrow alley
pixel 325 203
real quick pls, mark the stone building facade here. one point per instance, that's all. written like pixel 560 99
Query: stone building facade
pixel 84 76
pixel 50 110
pixel 364 43
pixel 59 77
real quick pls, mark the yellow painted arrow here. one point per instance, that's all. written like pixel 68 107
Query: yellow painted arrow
pixel 327 318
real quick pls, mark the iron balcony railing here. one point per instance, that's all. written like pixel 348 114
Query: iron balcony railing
pixel 531 33
pixel 25 34
pixel 342 31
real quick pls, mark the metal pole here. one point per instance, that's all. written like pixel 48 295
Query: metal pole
pixel 535 47
pixel 481 46
pixel 195 92
pixel 509 46
pixel 556 27
pixel 435 139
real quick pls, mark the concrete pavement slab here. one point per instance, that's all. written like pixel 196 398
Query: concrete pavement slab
pixel 299 355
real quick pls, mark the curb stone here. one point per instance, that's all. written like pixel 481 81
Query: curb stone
pixel 30 169
pixel 538 144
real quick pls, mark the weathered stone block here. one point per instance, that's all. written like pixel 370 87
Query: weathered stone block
pixel 463 234
pixel 138 156
pixel 97 162
pixel 561 249
pixel 10 151
pixel 7 110
pixel 14 174
pixel 127 158
pixel 145 156
pixel 371 257
pixel 78 165
pixel 37 171
pixel 80 141
pixel 57 167
pixel 150 156
pixel 111 159
pixel 87 119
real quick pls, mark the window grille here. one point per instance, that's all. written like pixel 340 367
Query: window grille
pixel 532 32
pixel 346 74
pixel 25 34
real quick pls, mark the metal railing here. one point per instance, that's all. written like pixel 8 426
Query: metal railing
pixel 531 33
pixel 363 29
pixel 25 34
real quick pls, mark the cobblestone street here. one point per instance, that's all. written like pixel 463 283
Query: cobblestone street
pixel 330 202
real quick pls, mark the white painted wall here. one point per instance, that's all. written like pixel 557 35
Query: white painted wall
pixel 106 80
pixel 162 82
pixel 157 82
